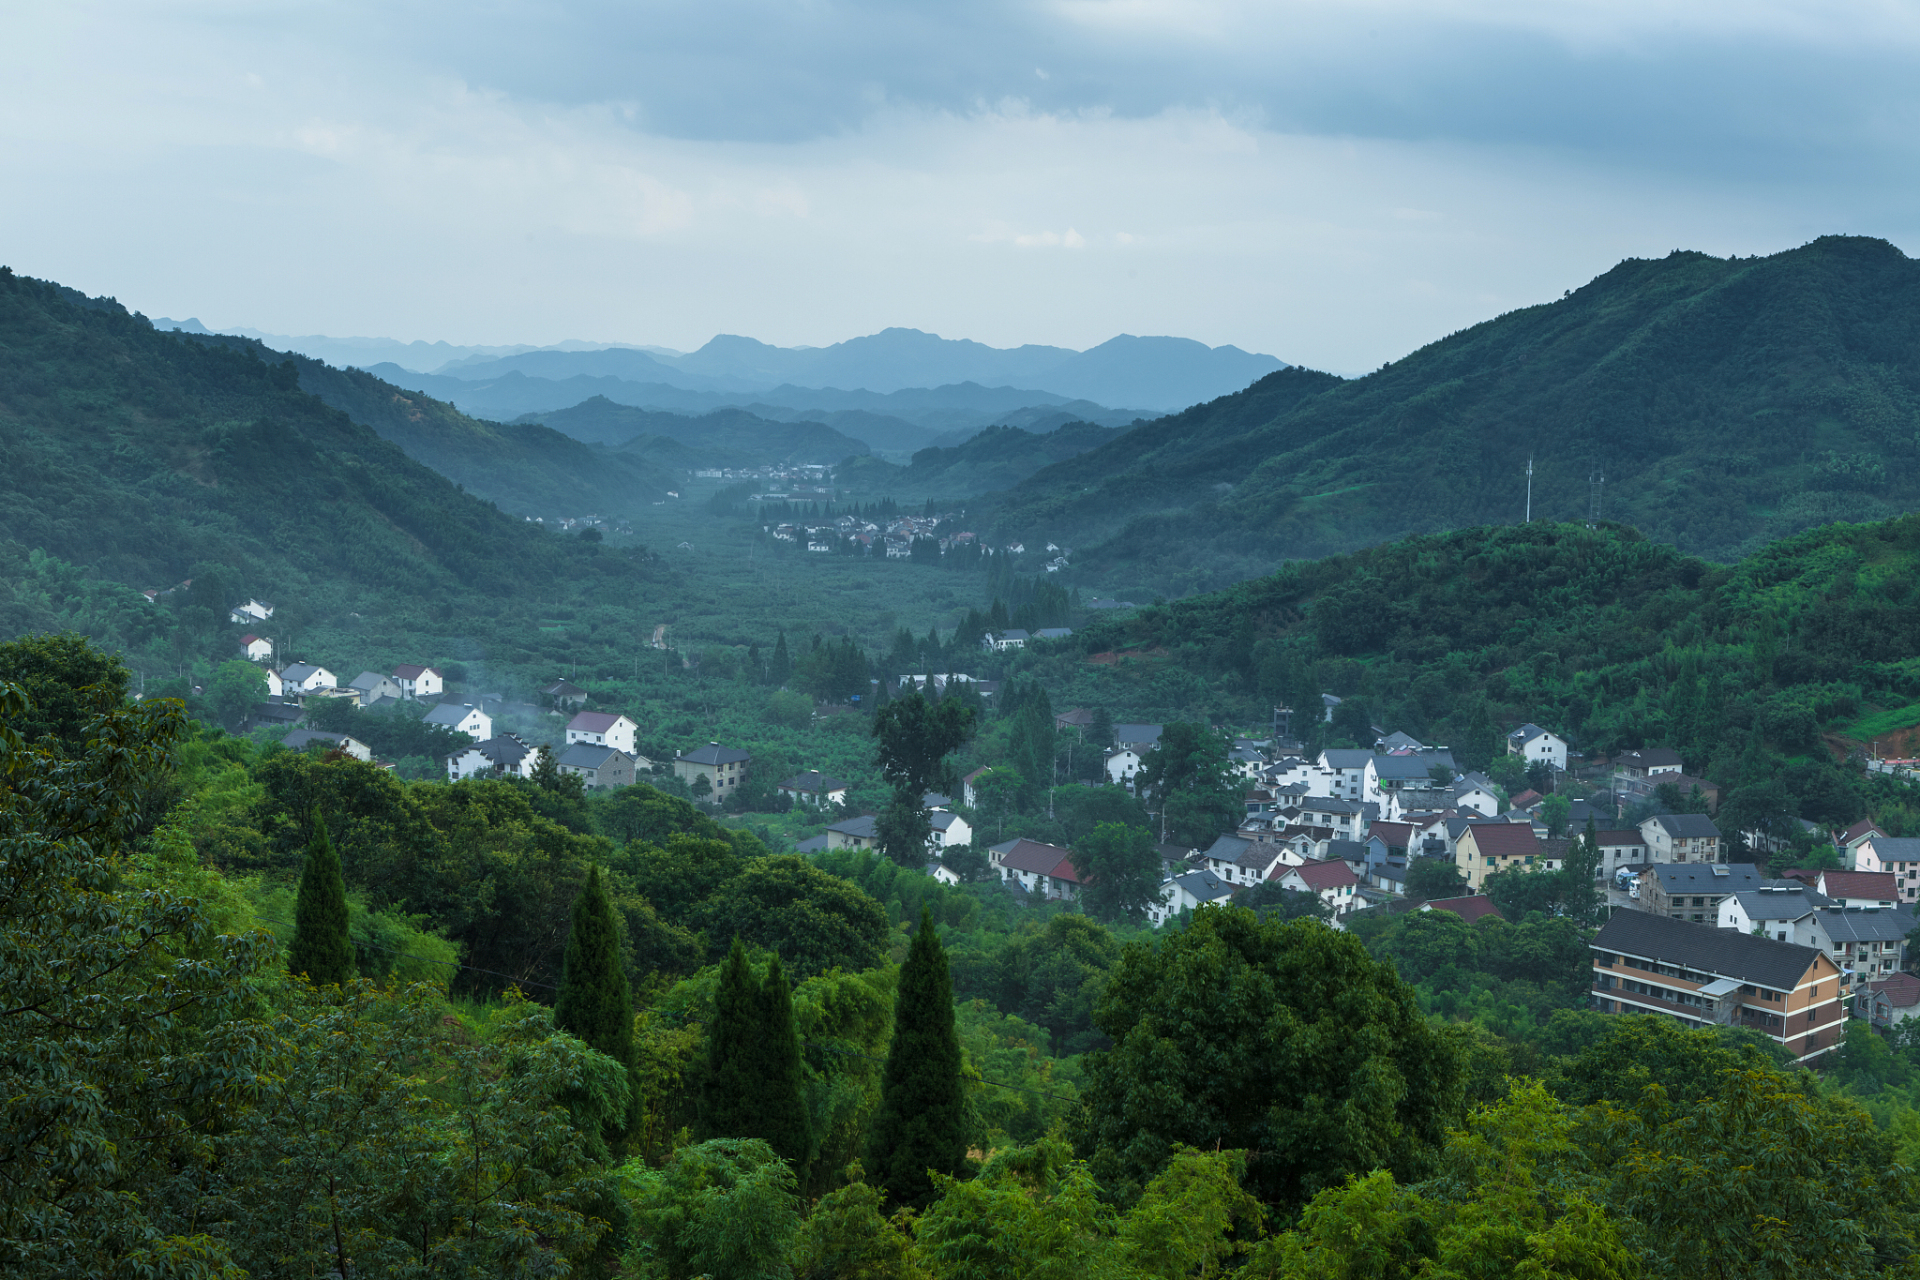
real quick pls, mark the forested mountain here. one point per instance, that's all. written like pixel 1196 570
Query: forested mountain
pixel 1726 402
pixel 996 458
pixel 1765 675
pixel 725 437
pixel 152 458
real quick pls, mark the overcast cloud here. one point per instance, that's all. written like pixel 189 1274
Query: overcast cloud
pixel 1332 183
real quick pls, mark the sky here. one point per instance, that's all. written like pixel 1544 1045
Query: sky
pixel 1335 184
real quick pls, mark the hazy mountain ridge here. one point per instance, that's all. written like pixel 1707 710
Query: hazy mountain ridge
pixel 1727 402
pixel 724 437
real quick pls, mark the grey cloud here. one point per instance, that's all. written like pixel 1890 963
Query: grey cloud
pixel 1739 104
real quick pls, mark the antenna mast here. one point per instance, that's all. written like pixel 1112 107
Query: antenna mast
pixel 1596 495
pixel 1529 488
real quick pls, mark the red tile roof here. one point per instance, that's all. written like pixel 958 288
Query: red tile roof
pixel 1903 989
pixel 1878 885
pixel 1033 857
pixel 1504 839
pixel 1066 871
pixel 1321 875
pixel 1524 799
pixel 1468 909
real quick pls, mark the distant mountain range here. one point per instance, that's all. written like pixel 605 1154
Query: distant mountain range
pixel 1712 403
pixel 1122 379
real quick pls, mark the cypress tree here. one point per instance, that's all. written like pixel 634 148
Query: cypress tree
pixel 780 666
pixel 321 947
pixel 731 1096
pixel 922 1121
pixel 783 1119
pixel 595 1002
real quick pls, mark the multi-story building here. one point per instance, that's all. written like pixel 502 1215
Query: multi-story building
pixel 1694 890
pixel 1900 858
pixel 1681 837
pixel 724 768
pixel 1705 977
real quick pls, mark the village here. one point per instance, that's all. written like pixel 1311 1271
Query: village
pixel 1687 932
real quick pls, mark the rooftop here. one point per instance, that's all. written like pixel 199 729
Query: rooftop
pixel 713 753
pixel 594 722
pixel 1683 826
pixel 1725 953
pixel 1469 909
pixel 587 755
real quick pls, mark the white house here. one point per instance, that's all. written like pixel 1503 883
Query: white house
pixel 462 718
pixel 1784 910
pixel 815 787
pixel 1530 742
pixel 949 829
pixel 1681 837
pixel 1122 765
pixel 251 611
pixel 506 755
pixel 602 729
pixel 1185 892
pixel 1346 768
pixel 417 682
pixel 304 677
pixel 373 687
pixel 1898 856
pixel 1476 791
pixel 255 648
pixel 1334 882
pixel 276 687
pixel 301 739
pixel 1039 868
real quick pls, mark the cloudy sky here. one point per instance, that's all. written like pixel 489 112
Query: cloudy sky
pixel 1334 183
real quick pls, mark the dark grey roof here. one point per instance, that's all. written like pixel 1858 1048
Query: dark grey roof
pixel 1687 825
pixel 504 749
pixel 1227 848
pixel 1345 758
pixel 300 739
pixel 1137 733
pixel 813 780
pixel 1418 766
pixel 1527 733
pixel 586 755
pixel 714 753
pixel 813 844
pixel 861 827
pixel 277 712
pixel 1204 885
pixel 448 713
pixel 1766 905
pixel 298 671
pixel 1332 804
pixel 1901 849
pixel 1706 877
pixel 1874 924
pixel 1346 851
pixel 1725 953
pixel 1397 739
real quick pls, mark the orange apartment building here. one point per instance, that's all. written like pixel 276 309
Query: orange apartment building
pixel 1705 976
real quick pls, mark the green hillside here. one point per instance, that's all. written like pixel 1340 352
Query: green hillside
pixel 996 458
pixel 1727 402
pixel 151 458
pixel 725 437
pixel 1762 675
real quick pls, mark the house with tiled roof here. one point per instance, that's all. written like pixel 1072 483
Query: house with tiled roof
pixel 301 739
pixel 375 688
pixel 1240 861
pixel 1486 847
pixel 1899 858
pixel 1868 943
pixel 1694 890
pixel 1648 762
pixel 504 755
pixel 461 718
pixel 255 648
pixel 1707 977
pixel 1681 837
pixel 724 768
pixel 1619 851
pixel 305 677
pixel 1859 888
pixel 1037 867
pixel 1471 909
pixel 1532 743
pixel 815 788
pixel 1333 882
pixel 418 682
pixel 1889 1001
pixel 603 729
pixel 1784 910
pixel 564 693
pixel 597 765
pixel 1856 835
pixel 949 830
pixel 853 833
pixel 1186 892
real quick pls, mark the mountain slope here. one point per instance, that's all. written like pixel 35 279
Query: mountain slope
pixel 1727 402
pixel 994 459
pixel 151 458
pixel 731 437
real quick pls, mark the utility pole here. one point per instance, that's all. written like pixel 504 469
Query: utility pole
pixel 1596 490
pixel 1529 488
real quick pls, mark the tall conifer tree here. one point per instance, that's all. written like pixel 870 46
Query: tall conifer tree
pixel 783 1119
pixel 732 1094
pixel 595 1001
pixel 321 946
pixel 922 1121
